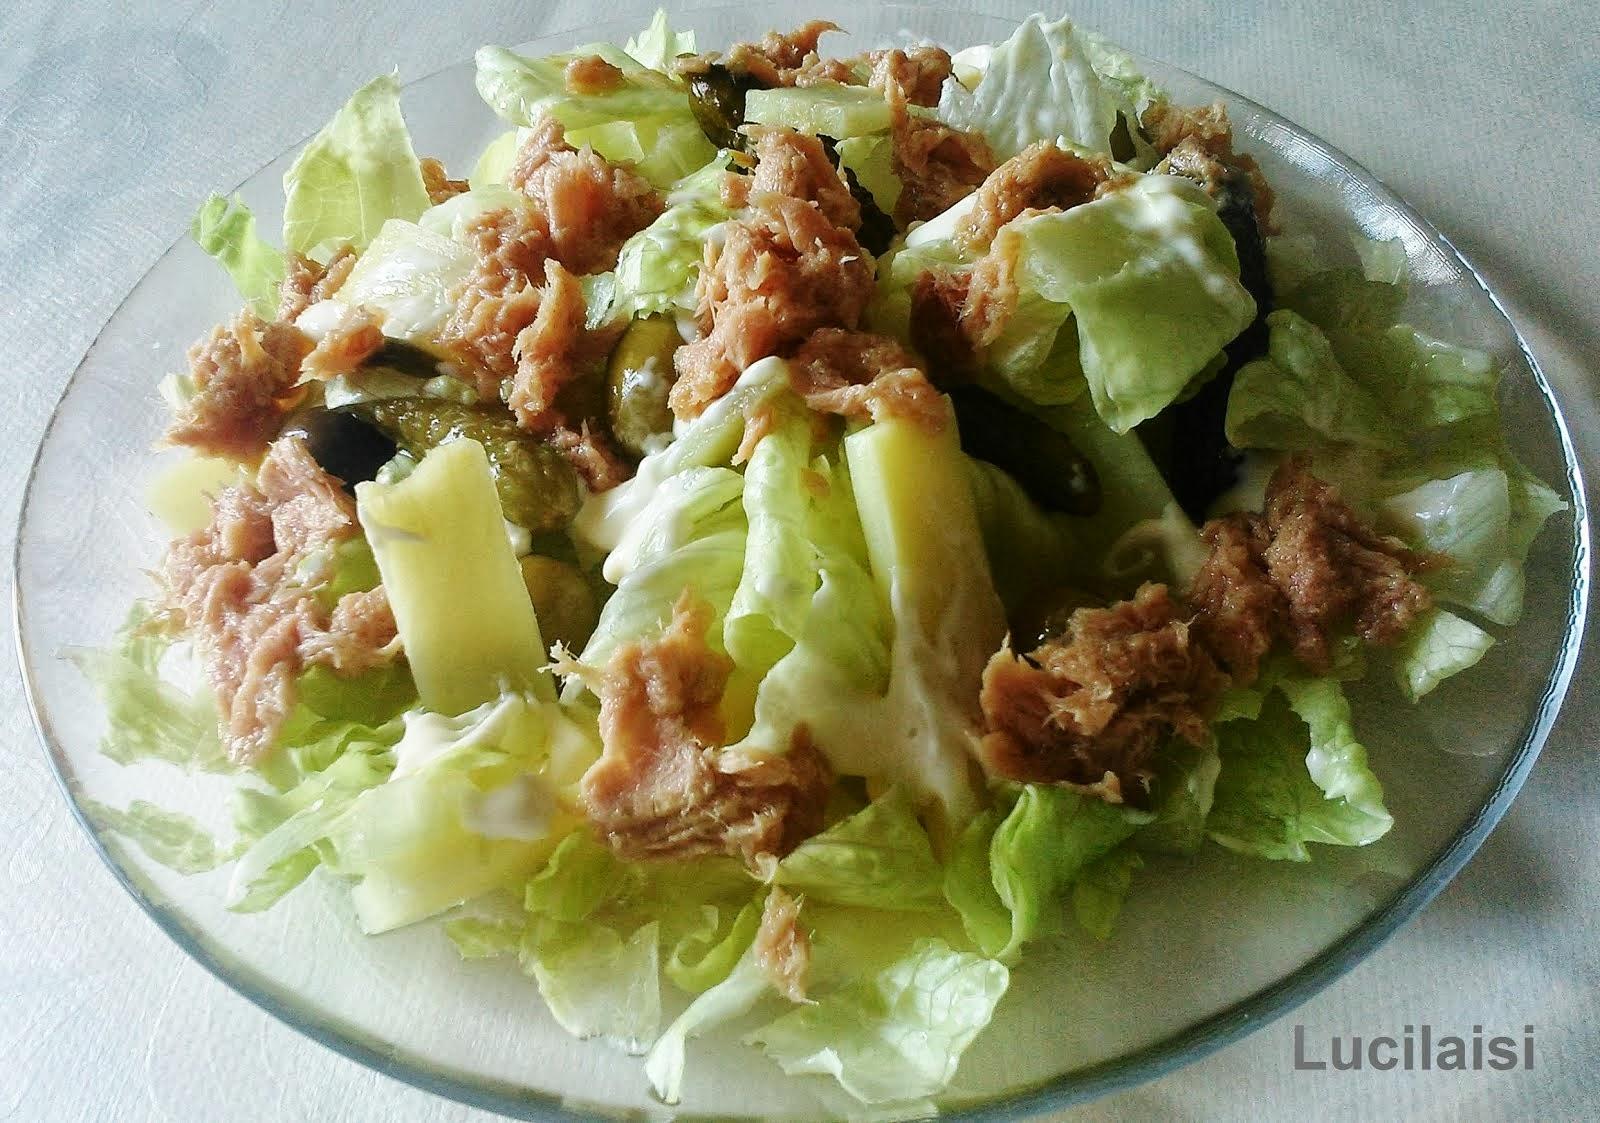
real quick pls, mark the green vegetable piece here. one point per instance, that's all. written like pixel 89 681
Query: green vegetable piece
pixel 537 487
pixel 638 380
pixel 827 109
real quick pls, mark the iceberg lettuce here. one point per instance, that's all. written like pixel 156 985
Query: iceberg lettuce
pixel 1014 864
pixel 645 118
pixel 226 229
pixel 1151 277
pixel 1048 80
pixel 899 1035
pixel 1299 397
pixel 355 175
pixel 657 268
pixel 880 857
pixel 1295 775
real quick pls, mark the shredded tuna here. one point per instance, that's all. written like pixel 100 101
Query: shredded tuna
pixel 589 205
pixel 243 374
pixel 783 946
pixel 1197 142
pixel 777 275
pixel 918 73
pixel 306 283
pixel 355 338
pixel 361 634
pixel 592 454
pixel 956 313
pixel 1334 570
pixel 796 165
pixel 662 788
pixel 937 298
pixel 439 185
pixel 862 375
pixel 547 352
pixel 591 74
pixel 938 166
pixel 246 588
pixel 1239 613
pixel 498 299
pixel 1041 177
pixel 1090 709
pixel 775 60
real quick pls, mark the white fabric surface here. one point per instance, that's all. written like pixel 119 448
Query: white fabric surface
pixel 116 119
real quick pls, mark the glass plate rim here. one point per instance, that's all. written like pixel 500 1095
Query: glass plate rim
pixel 1177 1050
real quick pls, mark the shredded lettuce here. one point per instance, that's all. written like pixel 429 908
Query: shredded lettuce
pixel 879 857
pixel 226 229
pixel 644 119
pixel 657 267
pixel 1299 397
pixel 899 1035
pixel 148 717
pixel 409 273
pixel 1013 865
pixel 1152 280
pixel 355 175
pixel 168 838
pixel 1100 890
pixel 657 46
pixel 1295 775
pixel 732 998
pixel 1049 80
pixel 1442 645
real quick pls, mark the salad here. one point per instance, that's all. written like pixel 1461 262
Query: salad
pixel 785 534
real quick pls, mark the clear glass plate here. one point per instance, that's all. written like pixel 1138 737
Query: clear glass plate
pixel 1207 949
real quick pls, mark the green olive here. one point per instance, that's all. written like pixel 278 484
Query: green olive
pixel 638 381
pixel 561 600
pixel 1043 460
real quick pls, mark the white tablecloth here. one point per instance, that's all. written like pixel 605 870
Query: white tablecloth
pixel 115 119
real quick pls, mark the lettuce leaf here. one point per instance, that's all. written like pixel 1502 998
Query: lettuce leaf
pixel 600 983
pixel 1035 850
pixel 1291 779
pixel 657 268
pixel 1043 83
pixel 1442 645
pixel 1152 280
pixel 1099 891
pixel 410 274
pixel 880 857
pixel 226 229
pixel 168 838
pixel 644 119
pixel 735 996
pixel 658 45
pixel 356 174
pixel 1299 397
pixel 897 1036
pixel 147 717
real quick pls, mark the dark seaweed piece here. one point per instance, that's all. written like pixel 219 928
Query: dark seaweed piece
pixel 347 446
pixel 1188 441
pixel 1044 461
pixel 405 358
